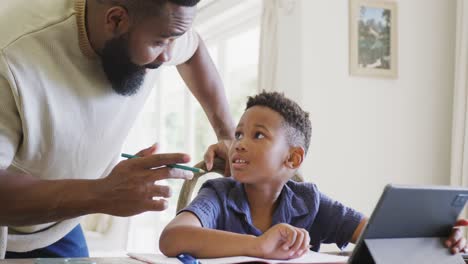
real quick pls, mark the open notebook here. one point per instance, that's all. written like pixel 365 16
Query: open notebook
pixel 310 257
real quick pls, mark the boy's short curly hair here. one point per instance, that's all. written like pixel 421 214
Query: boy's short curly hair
pixel 296 121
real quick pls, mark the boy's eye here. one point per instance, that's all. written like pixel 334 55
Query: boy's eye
pixel 259 135
pixel 238 135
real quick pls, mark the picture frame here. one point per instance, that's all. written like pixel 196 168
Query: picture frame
pixel 373 42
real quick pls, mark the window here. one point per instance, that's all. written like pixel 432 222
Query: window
pixel 231 31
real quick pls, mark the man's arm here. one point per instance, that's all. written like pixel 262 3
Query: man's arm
pixel 128 190
pixel 26 200
pixel 203 80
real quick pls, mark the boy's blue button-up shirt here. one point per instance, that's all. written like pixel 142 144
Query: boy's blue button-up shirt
pixel 222 204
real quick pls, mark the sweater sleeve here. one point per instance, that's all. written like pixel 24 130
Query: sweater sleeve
pixel 10 121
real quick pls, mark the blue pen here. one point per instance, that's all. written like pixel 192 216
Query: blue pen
pixel 188 259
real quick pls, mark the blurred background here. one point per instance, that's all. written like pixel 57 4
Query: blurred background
pixel 368 131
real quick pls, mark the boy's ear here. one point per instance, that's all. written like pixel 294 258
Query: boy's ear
pixel 295 158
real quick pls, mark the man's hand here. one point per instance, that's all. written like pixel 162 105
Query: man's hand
pixel 283 241
pixel 221 150
pixel 130 187
pixel 456 241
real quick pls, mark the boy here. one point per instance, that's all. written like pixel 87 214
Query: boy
pixel 260 212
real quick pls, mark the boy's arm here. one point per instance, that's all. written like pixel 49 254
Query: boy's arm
pixel 185 234
pixel 335 223
pixel 358 230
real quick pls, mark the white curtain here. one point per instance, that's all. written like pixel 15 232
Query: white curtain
pixel 269 48
pixel 459 166
pixel 277 18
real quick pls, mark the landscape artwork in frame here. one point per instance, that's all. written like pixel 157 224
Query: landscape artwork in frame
pixel 373 38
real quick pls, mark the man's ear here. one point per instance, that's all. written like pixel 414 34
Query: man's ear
pixel 117 21
pixel 295 158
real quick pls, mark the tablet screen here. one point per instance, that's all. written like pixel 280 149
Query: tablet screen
pixel 412 212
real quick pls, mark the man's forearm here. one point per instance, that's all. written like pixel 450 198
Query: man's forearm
pixel 203 80
pixel 205 243
pixel 26 200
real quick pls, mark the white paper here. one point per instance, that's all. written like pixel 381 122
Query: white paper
pixel 310 257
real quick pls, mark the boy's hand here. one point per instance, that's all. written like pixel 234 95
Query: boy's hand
pixel 456 241
pixel 283 241
pixel 221 150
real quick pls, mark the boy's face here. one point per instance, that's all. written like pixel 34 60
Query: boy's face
pixel 260 149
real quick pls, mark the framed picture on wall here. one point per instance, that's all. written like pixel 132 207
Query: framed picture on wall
pixel 373 38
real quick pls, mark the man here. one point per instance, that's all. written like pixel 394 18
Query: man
pixel 73 76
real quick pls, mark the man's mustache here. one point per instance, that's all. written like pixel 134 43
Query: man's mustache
pixel 152 66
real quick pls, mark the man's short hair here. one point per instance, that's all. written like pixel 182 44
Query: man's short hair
pixel 139 9
pixel 296 121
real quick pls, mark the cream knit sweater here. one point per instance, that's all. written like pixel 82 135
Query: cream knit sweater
pixel 59 118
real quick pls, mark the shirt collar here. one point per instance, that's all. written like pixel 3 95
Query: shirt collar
pixel 237 199
pixel 290 205
pixel 85 45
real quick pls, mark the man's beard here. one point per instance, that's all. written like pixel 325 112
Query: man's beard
pixel 125 77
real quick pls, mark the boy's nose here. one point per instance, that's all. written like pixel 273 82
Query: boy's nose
pixel 240 147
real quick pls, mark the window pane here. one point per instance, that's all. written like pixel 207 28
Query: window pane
pixel 203 132
pixel 172 111
pixel 146 228
pixel 241 55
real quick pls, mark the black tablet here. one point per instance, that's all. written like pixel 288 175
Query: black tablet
pixel 411 212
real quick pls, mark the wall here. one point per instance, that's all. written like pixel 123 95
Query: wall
pixel 369 132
